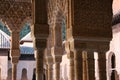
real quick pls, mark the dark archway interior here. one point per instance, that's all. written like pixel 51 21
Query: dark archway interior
pixel 113 61
pixel 34 75
pixel 24 74
pixel 113 66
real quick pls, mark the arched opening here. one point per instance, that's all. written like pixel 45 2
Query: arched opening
pixel 4 39
pixel 113 61
pixel 24 74
pixel 26 43
pixel 4 28
pixel 9 74
pixel 34 74
pixel 113 67
pixel 64 30
pixel 25 30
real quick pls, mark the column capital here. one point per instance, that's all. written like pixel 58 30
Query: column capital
pixel 91 44
pixel 40 34
pixel 39 51
pixel 15 59
pixel 14 52
pixel 39 43
pixel 84 55
pixel 15 30
pixel 57 51
pixel 49 60
pixel 15 40
pixel 40 30
pixel 70 55
pixel 57 58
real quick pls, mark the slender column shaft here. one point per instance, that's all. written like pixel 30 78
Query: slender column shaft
pixel 58 34
pixel 91 65
pixel 14 52
pixel 50 72
pixel 102 66
pixel 78 65
pixel 85 65
pixel 46 72
pixel 96 66
pixel 71 74
pixel 57 71
pixel 39 65
pixel 70 56
pixel 14 71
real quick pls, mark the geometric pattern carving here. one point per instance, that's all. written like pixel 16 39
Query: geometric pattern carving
pixel 14 12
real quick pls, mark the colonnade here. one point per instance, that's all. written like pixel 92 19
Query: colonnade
pixel 88 30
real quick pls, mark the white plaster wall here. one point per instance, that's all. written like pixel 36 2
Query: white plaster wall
pixel 4 67
pixel 115 48
pixel 115 45
pixel 116 6
pixel 28 65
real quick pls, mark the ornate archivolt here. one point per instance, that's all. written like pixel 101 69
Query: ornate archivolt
pixel 56 9
pixel 14 12
pixel 62 6
pixel 57 12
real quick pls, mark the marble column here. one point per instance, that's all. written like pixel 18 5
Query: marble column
pixel 102 65
pixel 78 65
pixel 50 71
pixel 71 73
pixel 14 71
pixel 40 32
pixel 49 62
pixel 14 52
pixel 71 65
pixel 39 63
pixel 96 66
pixel 57 71
pixel 46 72
pixel 91 64
pixel 56 67
pixel 39 43
pixel 85 66
pixel 89 33
pixel 57 48
pixel 49 58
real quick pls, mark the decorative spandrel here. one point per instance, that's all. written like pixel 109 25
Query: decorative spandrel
pixel 14 12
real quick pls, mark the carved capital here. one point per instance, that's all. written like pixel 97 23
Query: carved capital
pixel 94 44
pixel 57 33
pixel 15 39
pixel 15 53
pixel 70 55
pixel 39 53
pixel 49 60
pixel 39 43
pixel 40 31
pixel 57 58
pixel 14 60
pixel 56 51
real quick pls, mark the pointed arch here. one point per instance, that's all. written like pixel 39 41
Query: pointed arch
pixel 7 22
pixel 27 20
pixel 24 74
pixel 111 65
pixel 34 74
